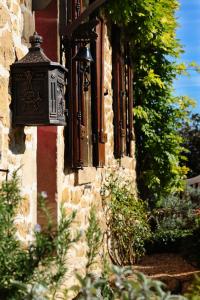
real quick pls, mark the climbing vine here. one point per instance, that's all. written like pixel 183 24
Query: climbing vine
pixel 150 26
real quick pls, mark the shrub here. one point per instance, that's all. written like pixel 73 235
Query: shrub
pixel 14 261
pixel 194 290
pixel 175 217
pixel 115 282
pixel 39 269
pixel 127 222
pixel 124 284
pixel 36 273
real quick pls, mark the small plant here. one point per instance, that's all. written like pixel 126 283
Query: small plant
pixel 35 272
pixel 176 217
pixel 194 290
pixel 127 222
pixel 13 260
pixel 115 282
pixel 93 239
pixel 124 284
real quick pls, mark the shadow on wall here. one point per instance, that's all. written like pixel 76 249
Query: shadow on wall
pixel 17 139
pixel 16 134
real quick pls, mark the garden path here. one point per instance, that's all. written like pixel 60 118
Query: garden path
pixel 170 268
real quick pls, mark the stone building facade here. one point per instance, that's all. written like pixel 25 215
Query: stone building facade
pixel 18 146
pixel 40 152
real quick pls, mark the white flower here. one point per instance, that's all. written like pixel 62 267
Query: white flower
pixel 39 292
pixel 44 194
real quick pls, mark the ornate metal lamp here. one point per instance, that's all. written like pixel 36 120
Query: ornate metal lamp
pixel 38 88
pixel 84 57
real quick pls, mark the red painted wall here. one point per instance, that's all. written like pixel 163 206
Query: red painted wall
pixel 46 26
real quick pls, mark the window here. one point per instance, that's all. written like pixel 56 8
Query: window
pixel 85 135
pixel 122 95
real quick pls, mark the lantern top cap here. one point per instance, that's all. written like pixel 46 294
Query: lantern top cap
pixel 35 56
pixel 35 40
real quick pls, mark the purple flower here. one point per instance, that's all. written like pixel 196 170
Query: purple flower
pixel 37 228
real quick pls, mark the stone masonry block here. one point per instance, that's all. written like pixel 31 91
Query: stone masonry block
pixel 4 16
pixel 1 142
pixel 24 208
pixel 28 28
pixel 66 195
pixel 76 196
pixel 7 54
pixel 4 96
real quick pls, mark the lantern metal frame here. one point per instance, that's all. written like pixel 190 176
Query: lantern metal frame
pixel 38 88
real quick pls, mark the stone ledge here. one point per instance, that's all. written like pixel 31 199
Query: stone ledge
pixel 86 176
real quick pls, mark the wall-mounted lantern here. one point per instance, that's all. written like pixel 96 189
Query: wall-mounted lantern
pixel 38 86
pixel 84 57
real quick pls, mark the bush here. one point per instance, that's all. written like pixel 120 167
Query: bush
pixel 127 221
pixel 175 217
pixel 123 284
pixel 194 290
pixel 115 282
pixel 37 272
pixel 39 269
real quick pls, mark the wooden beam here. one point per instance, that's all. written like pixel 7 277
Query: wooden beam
pixel 39 4
pixel 69 29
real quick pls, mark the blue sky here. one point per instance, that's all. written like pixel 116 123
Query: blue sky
pixel 189 34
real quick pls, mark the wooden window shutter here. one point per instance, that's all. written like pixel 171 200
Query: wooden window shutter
pixel 119 104
pixel 76 154
pixel 129 133
pixel 122 96
pixel 129 100
pixel 97 96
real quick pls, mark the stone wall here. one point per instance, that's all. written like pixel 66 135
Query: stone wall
pixel 17 145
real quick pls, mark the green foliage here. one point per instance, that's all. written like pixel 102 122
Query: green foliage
pixel 50 248
pixel 93 238
pixel 35 272
pixel 191 135
pixel 150 27
pixel 127 222
pixel 173 221
pixel 13 259
pixel 194 290
pixel 124 284
pixel 115 282
pixel 176 217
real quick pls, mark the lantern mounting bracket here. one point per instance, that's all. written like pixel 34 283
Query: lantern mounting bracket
pixel 67 29
pixel 85 32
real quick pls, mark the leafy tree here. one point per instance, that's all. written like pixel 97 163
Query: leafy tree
pixel 150 26
pixel 191 135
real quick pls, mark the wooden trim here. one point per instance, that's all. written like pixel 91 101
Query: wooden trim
pixel 98 125
pixel 69 29
pixel 130 111
pixel 76 153
pixel 117 91
pixel 122 96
